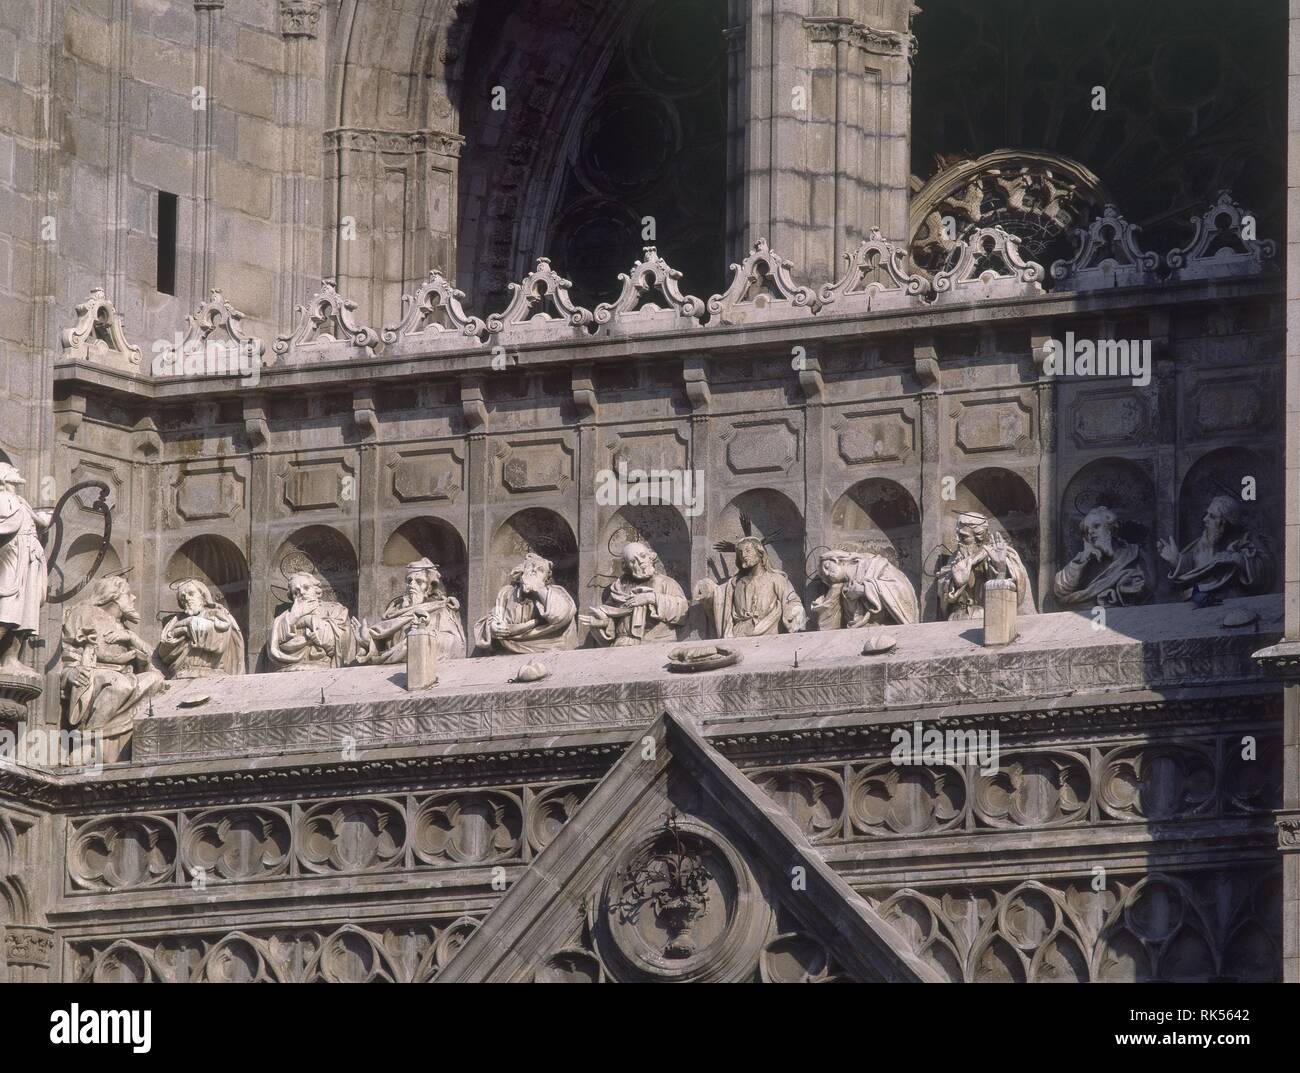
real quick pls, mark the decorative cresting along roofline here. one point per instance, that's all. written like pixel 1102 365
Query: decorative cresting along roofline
pixel 99 334
pixel 863 289
pixel 525 318
pixel 420 327
pixel 634 309
pixel 1108 256
pixel 213 339
pixel 968 281
pixel 676 867
pixel 762 289
pixel 311 339
pixel 1223 244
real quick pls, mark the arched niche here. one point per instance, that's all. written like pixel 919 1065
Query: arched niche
pixel 1122 485
pixel 423 538
pixel 772 516
pixel 1221 472
pixel 324 552
pixel 220 565
pixel 77 558
pixel 1009 504
pixel 537 530
pixel 660 526
pixel 879 516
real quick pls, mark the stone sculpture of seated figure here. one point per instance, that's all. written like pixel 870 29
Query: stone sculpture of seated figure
pixel 313 633
pixel 756 601
pixel 642 604
pixel 425 602
pixel 1226 560
pixel 862 589
pixel 106 678
pixel 531 614
pixel 204 639
pixel 1108 571
pixel 981 555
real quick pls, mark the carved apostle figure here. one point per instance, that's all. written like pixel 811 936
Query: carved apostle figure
pixel 314 632
pixel 106 676
pixel 23 578
pixel 532 613
pixel 1226 560
pixel 980 557
pixel 424 603
pixel 1108 571
pixel 756 601
pixel 204 639
pixel 642 604
pixel 862 589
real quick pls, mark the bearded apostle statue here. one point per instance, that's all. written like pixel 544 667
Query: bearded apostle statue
pixel 862 589
pixel 1226 560
pixel 1108 571
pixel 424 603
pixel 531 613
pixel 23 577
pixel 313 633
pixel 981 555
pixel 204 639
pixel 106 676
pixel 642 604
pixel 757 600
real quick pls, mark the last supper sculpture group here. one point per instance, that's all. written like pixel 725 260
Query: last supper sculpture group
pixel 109 670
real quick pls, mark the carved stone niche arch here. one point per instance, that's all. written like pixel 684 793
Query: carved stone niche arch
pixel 1221 472
pixel 220 565
pixel 537 530
pixel 423 538
pixel 1036 196
pixel 1123 485
pixel 880 516
pixel 771 516
pixel 1008 501
pixel 323 552
pixel 661 526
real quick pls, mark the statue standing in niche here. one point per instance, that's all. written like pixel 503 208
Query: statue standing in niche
pixel 1226 560
pixel 1108 571
pixel 106 676
pixel 314 633
pixel 532 614
pixel 204 639
pixel 980 556
pixel 757 600
pixel 425 602
pixel 23 579
pixel 862 589
pixel 642 604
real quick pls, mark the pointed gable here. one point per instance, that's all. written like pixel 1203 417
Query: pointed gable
pixel 678 868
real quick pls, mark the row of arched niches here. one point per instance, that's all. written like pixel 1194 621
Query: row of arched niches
pixel 876 514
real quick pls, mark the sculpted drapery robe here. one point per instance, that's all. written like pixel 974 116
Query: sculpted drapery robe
pixel 22 565
pixel 323 638
pixel 1122 581
pixel 117 680
pixel 756 604
pixel 210 642
pixel 552 614
pixel 886 596
pixel 443 615
pixel 961 584
pixel 1241 567
pixel 653 622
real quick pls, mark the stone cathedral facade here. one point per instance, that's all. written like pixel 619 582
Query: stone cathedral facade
pixel 684 490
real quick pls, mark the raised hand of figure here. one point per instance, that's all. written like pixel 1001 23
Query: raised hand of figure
pixel 1168 550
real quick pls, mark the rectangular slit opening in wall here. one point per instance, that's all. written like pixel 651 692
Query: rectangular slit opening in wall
pixel 168 216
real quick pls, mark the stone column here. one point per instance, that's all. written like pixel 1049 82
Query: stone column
pixel 934 509
pixel 261 601
pixel 703 460
pixel 584 399
pixel 366 503
pixel 820 127
pixel 479 588
pixel 1048 494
